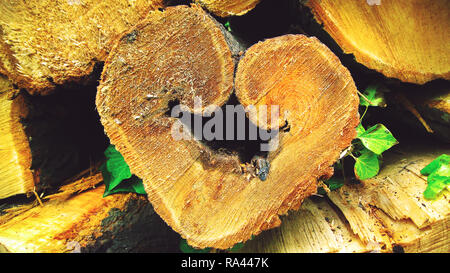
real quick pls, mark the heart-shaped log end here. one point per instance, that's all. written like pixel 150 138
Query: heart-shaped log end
pixel 209 196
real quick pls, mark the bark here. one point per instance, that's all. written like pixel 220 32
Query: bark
pixel 44 44
pixel 394 38
pixel 205 194
pixel 225 8
pixel 385 214
pixel 87 222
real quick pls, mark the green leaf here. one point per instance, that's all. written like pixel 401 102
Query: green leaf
pixel 334 183
pixel 437 183
pixel 435 164
pixel 116 166
pixel 133 184
pixel 375 97
pixel 236 247
pixel 377 139
pixel 438 172
pixel 185 248
pixel 367 165
pixel 359 130
pixel 117 175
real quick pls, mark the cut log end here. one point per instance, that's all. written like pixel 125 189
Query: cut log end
pixel 203 194
pixel 404 40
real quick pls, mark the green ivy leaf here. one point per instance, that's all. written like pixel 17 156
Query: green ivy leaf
pixel 117 175
pixel 116 167
pixel 374 96
pixel 185 248
pixel 377 139
pixel 438 172
pixel 333 183
pixel 437 183
pixel 133 184
pixel 367 165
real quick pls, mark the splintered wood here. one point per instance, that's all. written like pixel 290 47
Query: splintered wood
pixel 408 40
pixel 48 43
pixel 380 214
pixel 202 193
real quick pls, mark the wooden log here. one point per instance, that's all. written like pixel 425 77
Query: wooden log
pixel 15 155
pixel 225 8
pixel 407 40
pixel 204 194
pixel 384 214
pixel 48 43
pixel 87 222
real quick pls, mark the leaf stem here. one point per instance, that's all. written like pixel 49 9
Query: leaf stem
pixel 364 97
pixel 365 111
